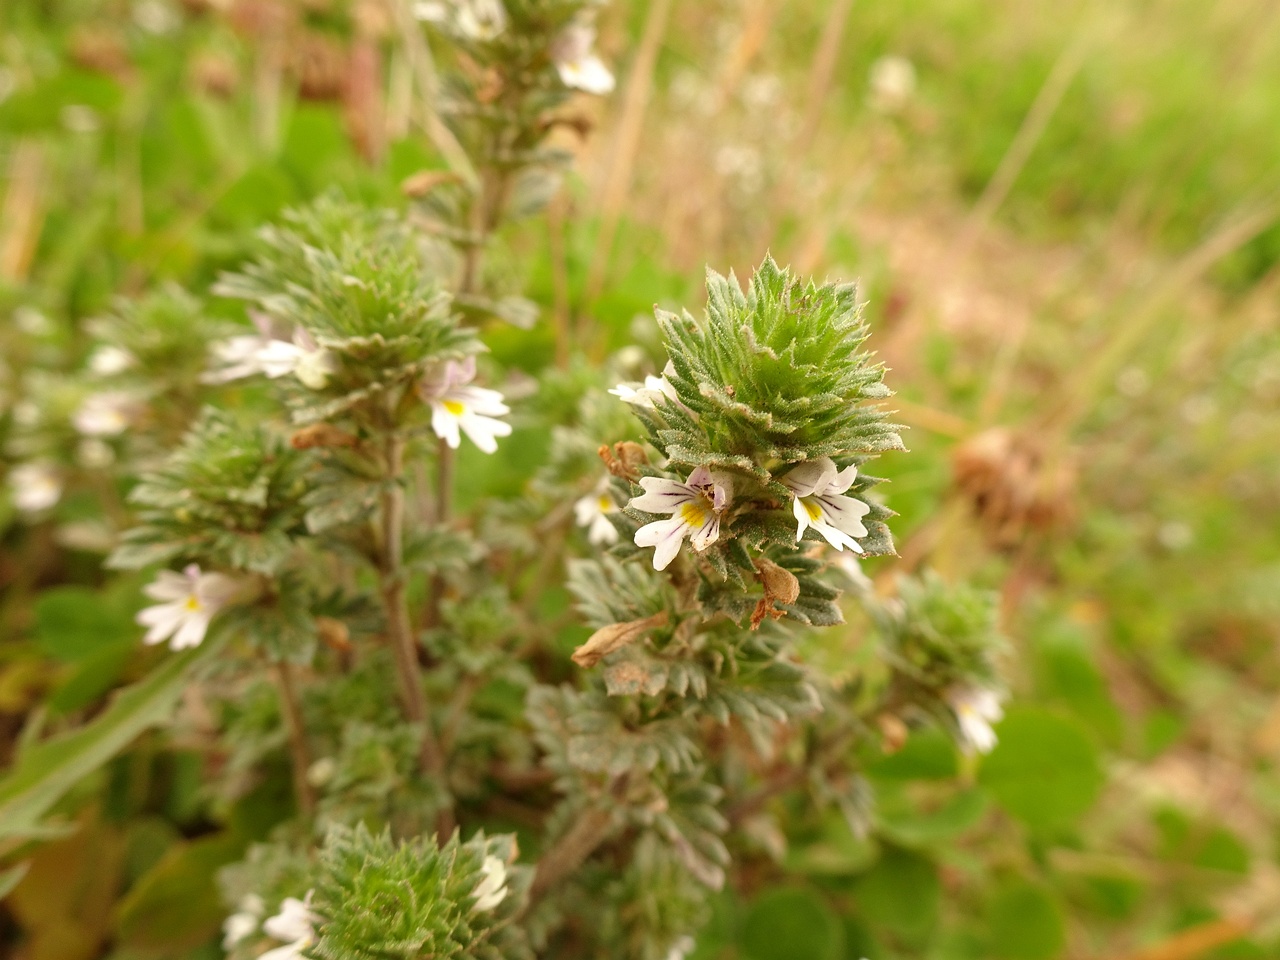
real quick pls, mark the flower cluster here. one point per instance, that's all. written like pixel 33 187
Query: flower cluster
pixel 765 404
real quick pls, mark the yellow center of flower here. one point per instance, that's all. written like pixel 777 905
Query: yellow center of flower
pixel 606 504
pixel 454 407
pixel 813 510
pixel 694 513
pixel 193 603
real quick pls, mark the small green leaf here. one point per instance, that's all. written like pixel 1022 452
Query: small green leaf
pixel 790 923
pixel 1025 923
pixel 901 894
pixel 1045 770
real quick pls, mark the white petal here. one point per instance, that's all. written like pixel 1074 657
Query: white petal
pixel 666 536
pixel 588 74
pixel 810 477
pixel 479 400
pixel 602 531
pixel 706 534
pixel 842 481
pixel 483 430
pixel 164 620
pixel 837 537
pixel 662 495
pixel 801 515
pixel 844 513
pixel 170 586
pixel 587 509
pixel 445 425
pixel 192 631
pixel 290 951
pixel 279 358
pixel 295 921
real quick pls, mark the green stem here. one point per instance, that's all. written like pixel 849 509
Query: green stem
pixel 395 605
pixel 299 754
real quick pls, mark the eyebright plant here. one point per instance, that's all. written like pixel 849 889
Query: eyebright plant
pixel 400 656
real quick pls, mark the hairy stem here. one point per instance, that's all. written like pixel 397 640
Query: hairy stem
pixel 394 602
pixel 298 751
pixel 571 851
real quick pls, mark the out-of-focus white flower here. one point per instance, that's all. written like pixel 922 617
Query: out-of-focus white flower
pixel 492 888
pixel 681 948
pixel 248 355
pixel 94 453
pixel 743 164
pixel 592 512
pixel 322 771
pixel 108 360
pixel 579 66
pixel 819 503
pixel 431 11
pixel 79 118
pixel 189 601
pixel 893 83
pixel 477 20
pixel 1175 535
pixel 32 322
pixel 458 407
pixel 296 924
pixel 35 486
pixel 654 389
pixel 244 922
pixel 976 709
pixel 695 507
pixel 155 16
pixel 106 414
pixel 26 413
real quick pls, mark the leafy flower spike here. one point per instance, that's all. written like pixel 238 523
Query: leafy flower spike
pixel 695 507
pixel 819 502
pixel 457 405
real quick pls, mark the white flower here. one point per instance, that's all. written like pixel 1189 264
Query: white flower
pixel 431 11
pixel 106 414
pixel 456 405
pixel 654 389
pixel 35 486
pixel 248 355
pixel 577 62
pixel 480 19
pixel 695 507
pixel 244 922
pixel 94 454
pixel 492 888
pixel 107 361
pixel 681 948
pixel 818 489
pixel 189 601
pixel 893 82
pixel 296 924
pixel 976 709
pixel 592 512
